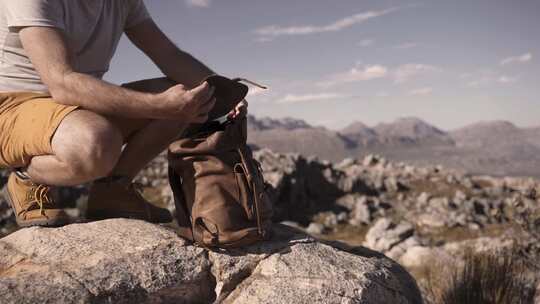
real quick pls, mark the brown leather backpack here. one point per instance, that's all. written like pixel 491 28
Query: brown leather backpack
pixel 219 191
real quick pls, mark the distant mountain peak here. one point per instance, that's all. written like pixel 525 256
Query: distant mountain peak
pixel 488 133
pixel 267 123
pixel 491 124
pixel 410 119
pixel 356 127
pixel 411 127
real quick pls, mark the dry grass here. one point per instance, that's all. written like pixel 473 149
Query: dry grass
pixel 494 278
pixel 353 236
pixel 457 234
pixel 436 189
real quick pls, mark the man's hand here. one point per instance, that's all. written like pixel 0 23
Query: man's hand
pixel 239 111
pixel 190 106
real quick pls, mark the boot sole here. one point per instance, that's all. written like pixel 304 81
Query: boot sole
pixel 37 222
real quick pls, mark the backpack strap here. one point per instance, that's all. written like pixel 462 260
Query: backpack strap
pixel 182 212
pixel 254 179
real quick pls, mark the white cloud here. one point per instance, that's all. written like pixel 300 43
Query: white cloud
pixel 366 73
pixel 405 72
pixel 478 82
pixel 355 74
pixel 488 78
pixel 399 74
pixel 517 59
pixel 507 79
pixel 480 78
pixel 406 45
pixel 292 98
pixel 199 3
pixel 421 92
pixel 366 42
pixel 338 25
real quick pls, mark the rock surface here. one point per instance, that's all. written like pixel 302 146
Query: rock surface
pixel 130 261
pixel 7 220
pixel 433 211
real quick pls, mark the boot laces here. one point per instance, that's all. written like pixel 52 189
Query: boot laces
pixel 39 195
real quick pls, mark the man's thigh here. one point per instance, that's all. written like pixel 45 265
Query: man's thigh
pixel 28 122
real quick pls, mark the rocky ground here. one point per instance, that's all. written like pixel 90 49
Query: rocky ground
pixel 131 261
pixel 426 218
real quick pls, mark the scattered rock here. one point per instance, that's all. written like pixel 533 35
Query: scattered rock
pixel 420 256
pixel 393 185
pixel 423 198
pixel 384 235
pixel 370 160
pixel 301 186
pixel 362 214
pixel 431 220
pixel 315 228
pixel 479 245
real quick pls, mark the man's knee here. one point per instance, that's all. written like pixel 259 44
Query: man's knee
pixel 88 143
pixel 101 150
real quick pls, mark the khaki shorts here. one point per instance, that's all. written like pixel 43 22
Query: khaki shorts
pixel 28 122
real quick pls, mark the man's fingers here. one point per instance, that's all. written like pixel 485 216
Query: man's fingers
pixel 202 92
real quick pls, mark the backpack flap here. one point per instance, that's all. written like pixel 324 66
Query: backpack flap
pixel 228 93
pixel 212 139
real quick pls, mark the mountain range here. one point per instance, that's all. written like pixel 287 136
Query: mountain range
pixel 493 147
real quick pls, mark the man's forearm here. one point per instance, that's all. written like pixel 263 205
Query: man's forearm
pixel 105 98
pixel 176 64
pixel 183 68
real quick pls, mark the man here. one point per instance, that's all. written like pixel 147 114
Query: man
pixel 62 125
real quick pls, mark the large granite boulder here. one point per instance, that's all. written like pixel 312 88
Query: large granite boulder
pixel 130 261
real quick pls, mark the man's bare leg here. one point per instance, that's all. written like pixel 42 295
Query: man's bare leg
pixel 145 145
pixel 86 146
pixel 151 140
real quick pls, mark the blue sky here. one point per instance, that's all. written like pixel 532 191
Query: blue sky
pixel 450 63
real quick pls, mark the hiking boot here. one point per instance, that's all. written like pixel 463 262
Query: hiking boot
pixel 114 199
pixel 32 203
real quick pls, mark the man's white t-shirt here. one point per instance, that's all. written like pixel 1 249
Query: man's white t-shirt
pixel 92 29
